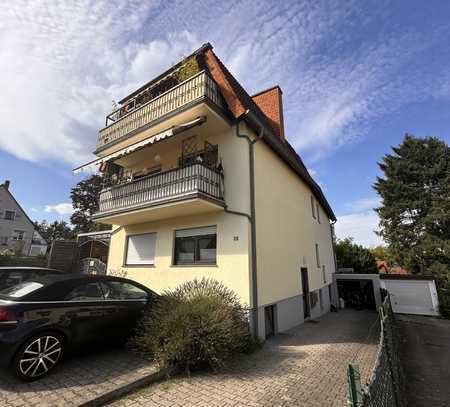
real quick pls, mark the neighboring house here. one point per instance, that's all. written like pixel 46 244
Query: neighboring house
pixel 17 232
pixel 200 181
pixel 384 268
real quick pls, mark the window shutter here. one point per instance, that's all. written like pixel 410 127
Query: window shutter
pixel 141 249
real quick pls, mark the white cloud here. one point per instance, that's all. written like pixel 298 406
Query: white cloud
pixel 62 64
pixel 363 204
pixel 360 226
pixel 61 208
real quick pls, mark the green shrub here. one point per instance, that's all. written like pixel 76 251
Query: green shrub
pixel 190 68
pixel 199 324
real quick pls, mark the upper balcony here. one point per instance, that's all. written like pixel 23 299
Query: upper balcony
pixel 140 113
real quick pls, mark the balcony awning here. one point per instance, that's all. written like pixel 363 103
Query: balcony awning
pixel 141 144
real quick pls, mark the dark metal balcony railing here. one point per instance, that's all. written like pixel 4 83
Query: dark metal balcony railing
pixel 198 86
pixel 189 181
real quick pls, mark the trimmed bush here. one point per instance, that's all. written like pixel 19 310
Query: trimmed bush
pixel 199 324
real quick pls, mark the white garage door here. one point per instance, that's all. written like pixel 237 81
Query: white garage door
pixel 412 296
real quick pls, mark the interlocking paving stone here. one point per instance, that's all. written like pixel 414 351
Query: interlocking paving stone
pixel 306 366
pixel 77 380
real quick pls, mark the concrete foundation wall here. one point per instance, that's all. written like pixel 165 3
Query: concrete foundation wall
pixel 289 312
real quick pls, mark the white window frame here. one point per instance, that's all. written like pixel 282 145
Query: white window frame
pixel 146 261
pixel 197 232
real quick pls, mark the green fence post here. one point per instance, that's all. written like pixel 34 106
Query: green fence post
pixel 355 397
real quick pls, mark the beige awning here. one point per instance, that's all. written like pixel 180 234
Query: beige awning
pixel 140 144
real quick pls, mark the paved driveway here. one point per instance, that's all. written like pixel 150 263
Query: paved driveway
pixel 80 379
pixel 305 367
pixel 426 360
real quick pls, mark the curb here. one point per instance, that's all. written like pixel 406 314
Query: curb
pixel 128 388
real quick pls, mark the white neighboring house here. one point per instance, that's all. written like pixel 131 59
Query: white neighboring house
pixel 17 231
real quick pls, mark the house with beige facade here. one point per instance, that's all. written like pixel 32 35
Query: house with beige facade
pixel 17 232
pixel 200 181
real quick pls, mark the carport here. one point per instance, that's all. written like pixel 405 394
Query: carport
pixel 359 291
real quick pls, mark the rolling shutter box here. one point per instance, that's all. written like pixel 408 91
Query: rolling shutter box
pixel 209 230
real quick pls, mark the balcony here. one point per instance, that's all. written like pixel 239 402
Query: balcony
pixel 127 122
pixel 181 191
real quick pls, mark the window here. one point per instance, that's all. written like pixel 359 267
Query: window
pixel 317 256
pixel 318 211
pixel 140 249
pixel 18 235
pixel 10 215
pixel 4 240
pixel 196 246
pixel 85 292
pixel 116 290
pixel 313 208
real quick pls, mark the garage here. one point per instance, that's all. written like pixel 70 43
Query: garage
pixel 411 294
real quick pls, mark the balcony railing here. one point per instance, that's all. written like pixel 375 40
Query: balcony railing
pixel 197 87
pixel 196 180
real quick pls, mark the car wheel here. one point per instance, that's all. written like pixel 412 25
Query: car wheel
pixel 38 356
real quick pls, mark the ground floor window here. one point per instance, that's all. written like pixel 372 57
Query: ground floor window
pixel 196 246
pixel 140 249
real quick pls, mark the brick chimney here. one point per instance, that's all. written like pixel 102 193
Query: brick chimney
pixel 270 101
pixel 6 184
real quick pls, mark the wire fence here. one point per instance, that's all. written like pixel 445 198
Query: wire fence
pixel 385 385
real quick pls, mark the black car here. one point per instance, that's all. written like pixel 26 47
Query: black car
pixel 42 317
pixel 10 276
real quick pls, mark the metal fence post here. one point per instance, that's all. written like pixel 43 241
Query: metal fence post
pixel 355 398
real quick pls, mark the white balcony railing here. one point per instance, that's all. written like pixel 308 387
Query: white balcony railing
pixel 197 87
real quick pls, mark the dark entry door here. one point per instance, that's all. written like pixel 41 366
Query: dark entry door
pixel 269 315
pixel 305 287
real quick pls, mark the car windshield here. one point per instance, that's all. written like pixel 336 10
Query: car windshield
pixel 20 290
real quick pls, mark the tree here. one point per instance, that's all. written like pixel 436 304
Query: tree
pixel 85 202
pixel 352 255
pixel 58 230
pixel 380 253
pixel 415 210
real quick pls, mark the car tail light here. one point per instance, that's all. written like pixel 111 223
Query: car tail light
pixel 6 315
pixel 3 314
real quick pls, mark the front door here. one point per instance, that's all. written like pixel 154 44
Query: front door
pixel 269 315
pixel 305 289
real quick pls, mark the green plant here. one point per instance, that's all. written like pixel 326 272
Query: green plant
pixel 189 68
pixel 199 324
pixel 350 254
pixel 415 202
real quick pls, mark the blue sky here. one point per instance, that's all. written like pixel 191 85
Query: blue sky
pixel 356 76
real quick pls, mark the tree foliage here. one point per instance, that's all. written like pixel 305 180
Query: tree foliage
pixel 57 230
pixel 415 210
pixel 352 255
pixel 381 253
pixel 85 202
